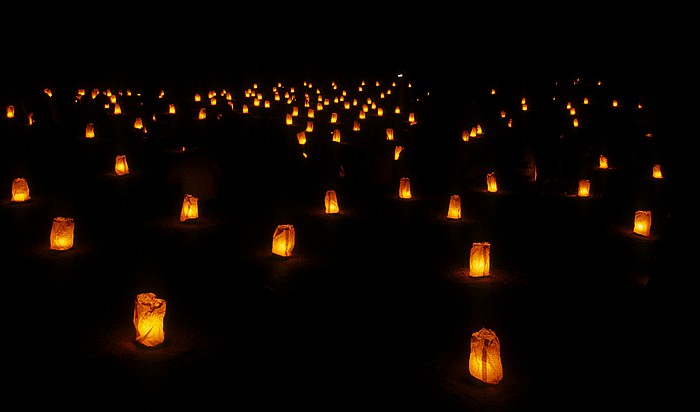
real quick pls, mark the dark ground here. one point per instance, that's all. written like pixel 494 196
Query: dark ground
pixel 374 309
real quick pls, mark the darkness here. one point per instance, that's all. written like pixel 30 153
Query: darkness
pixel 372 309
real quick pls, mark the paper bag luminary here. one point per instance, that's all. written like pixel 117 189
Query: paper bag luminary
pixel 283 240
pixel 149 313
pixel 20 190
pixel 485 356
pixel 62 233
pixel 190 208
pixel 480 259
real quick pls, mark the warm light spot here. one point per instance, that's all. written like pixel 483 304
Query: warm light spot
pixel 283 240
pixel 480 259
pixel 656 172
pixel 149 312
pixel 190 208
pixel 642 222
pixel 405 188
pixel 485 356
pixel 584 188
pixel 603 162
pixel 62 233
pixel 20 190
pixel 397 152
pixel 121 167
pixel 454 211
pixel 491 184
pixel 331 202
pixel 389 133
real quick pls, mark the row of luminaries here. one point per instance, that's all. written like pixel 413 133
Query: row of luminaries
pixel 149 309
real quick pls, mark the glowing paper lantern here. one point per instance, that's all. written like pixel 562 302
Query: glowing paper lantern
pixel 480 259
pixel 455 209
pixel 121 167
pixel 10 111
pixel 491 184
pixel 602 162
pixel 584 188
pixel 283 240
pixel 20 190
pixel 405 188
pixel 149 313
pixel 389 133
pixel 90 131
pixel 397 152
pixel 485 356
pixel 656 172
pixel 642 222
pixel 331 202
pixel 62 233
pixel 190 208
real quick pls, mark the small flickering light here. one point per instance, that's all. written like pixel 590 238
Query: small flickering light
pixel 412 118
pixel 301 137
pixel 138 123
pixel 380 111
pixel 117 108
pixel 289 119
pixel 309 126
pixel 362 115
pixel 30 119
pixel 149 313
pixel 614 103
pixel 62 233
pixel 656 172
pixel 202 114
pixel 642 222
pixel 334 117
pixel 197 97
pixel 465 135
pixel 356 126
pixel 491 184
pixel 485 356
pixel 584 188
pixel 389 134
pixel 405 188
pixel 171 108
pixel 454 211
pixel 20 190
pixel 397 110
pixel 10 111
pixel 283 240
pixel 336 136
pixel 121 166
pixel 503 114
pixel 575 122
pixel 397 151
pixel 90 131
pixel 311 113
pixel 244 109
pixel 331 202
pixel 190 208
pixel 480 259
pixel 602 162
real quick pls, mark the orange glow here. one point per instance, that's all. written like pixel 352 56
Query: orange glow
pixel 405 188
pixel 149 312
pixel 642 222
pixel 485 356
pixel 491 184
pixel 455 209
pixel 480 259
pixel 190 208
pixel 62 233
pixel 331 202
pixel 121 167
pixel 90 130
pixel 584 188
pixel 20 190
pixel 283 240
pixel 603 162
pixel 656 172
